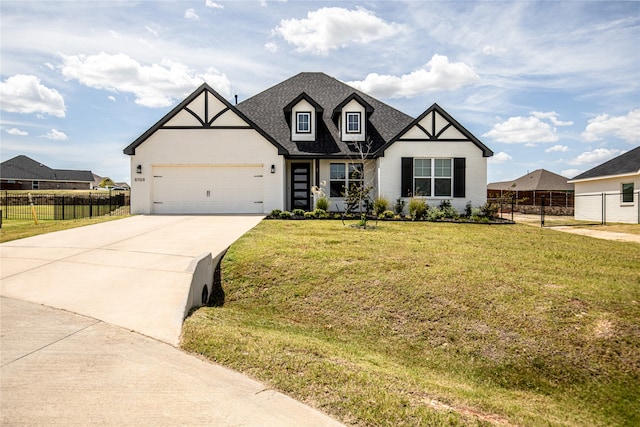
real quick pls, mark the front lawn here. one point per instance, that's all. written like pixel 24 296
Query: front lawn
pixel 433 323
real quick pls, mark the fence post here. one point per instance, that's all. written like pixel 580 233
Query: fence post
pixel 90 206
pixel 542 211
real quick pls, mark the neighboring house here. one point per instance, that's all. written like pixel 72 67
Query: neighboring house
pixel 208 156
pixel 24 173
pixel 530 189
pixel 610 192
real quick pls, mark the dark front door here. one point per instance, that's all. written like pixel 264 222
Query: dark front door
pixel 300 186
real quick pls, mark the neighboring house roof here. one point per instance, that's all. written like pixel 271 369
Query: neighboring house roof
pixel 627 163
pixel 267 111
pixel 538 180
pixel 23 167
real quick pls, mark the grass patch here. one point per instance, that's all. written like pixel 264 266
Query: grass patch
pixel 13 229
pixel 433 323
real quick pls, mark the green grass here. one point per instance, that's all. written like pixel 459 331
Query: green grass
pixel 433 324
pixel 13 229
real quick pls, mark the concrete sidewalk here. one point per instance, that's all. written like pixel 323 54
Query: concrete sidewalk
pixel 100 350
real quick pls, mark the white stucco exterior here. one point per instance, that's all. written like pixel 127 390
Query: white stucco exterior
pixel 443 141
pixel 197 157
pixel 600 199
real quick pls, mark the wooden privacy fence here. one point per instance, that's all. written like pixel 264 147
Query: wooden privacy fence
pixel 64 206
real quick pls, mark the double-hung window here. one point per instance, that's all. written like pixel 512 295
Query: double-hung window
pixel 627 193
pixel 340 180
pixel 303 122
pixel 353 122
pixel 432 177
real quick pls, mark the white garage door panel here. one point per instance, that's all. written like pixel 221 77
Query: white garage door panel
pixel 211 189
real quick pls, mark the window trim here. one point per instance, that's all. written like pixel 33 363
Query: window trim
pixel 300 114
pixel 359 121
pixel 35 185
pixel 627 193
pixel 433 177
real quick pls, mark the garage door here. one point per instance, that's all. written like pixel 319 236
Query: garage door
pixel 208 189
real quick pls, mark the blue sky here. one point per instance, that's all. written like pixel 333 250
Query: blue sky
pixel 553 85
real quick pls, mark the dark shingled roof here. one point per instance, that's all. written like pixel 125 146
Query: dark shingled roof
pixel 266 110
pixel 628 162
pixel 23 167
pixel 538 180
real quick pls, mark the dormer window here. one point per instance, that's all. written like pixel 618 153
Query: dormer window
pixel 302 115
pixel 353 122
pixel 351 117
pixel 303 122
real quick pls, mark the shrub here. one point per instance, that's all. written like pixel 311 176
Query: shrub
pixel 322 203
pixel 467 209
pixel 298 212
pixel 285 215
pixel 275 213
pixel 447 210
pixel 489 210
pixel 380 205
pixel 417 208
pixel 310 215
pixel 387 215
pixel 399 206
pixel 320 213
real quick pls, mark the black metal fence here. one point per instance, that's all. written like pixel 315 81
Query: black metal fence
pixel 59 206
pixel 599 208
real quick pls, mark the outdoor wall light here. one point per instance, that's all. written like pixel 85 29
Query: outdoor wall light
pixel 139 169
pixel 273 168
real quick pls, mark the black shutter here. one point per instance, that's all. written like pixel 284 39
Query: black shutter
pixel 459 173
pixel 407 177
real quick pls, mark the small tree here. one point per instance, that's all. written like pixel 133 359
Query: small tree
pixel 358 195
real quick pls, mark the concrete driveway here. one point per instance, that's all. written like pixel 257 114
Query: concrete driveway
pixel 90 320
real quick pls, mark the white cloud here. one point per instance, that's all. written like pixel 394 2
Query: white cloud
pixel 437 74
pixel 552 116
pixel 271 47
pixel 557 149
pixel 492 50
pixel 191 14
pixel 500 157
pixel 570 173
pixel 16 132
pixel 156 85
pixel 599 155
pixel 331 28
pixel 111 98
pixel 151 30
pixel 522 130
pixel 56 135
pixel 25 94
pixel 626 127
pixel 213 5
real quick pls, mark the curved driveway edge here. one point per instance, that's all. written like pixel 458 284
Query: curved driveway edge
pixel 64 369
